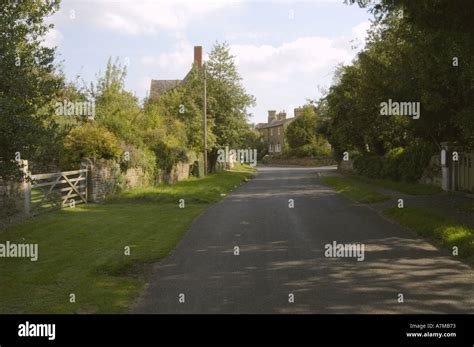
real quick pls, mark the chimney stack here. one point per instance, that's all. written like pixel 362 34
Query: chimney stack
pixel 271 116
pixel 298 111
pixel 198 56
pixel 281 115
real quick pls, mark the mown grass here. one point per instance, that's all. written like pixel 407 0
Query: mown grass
pixel 81 249
pixel 444 231
pixel 353 190
pixel 402 187
pixel 244 167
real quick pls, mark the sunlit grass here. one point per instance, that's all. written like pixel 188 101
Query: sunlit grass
pixel 82 249
pixel 402 187
pixel 353 190
pixel 444 231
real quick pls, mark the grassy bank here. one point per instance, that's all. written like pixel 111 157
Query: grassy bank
pixel 353 190
pixel 82 249
pixel 442 230
pixel 402 187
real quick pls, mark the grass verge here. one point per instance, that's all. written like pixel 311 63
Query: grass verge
pixel 353 190
pixel 244 167
pixel 402 187
pixel 442 230
pixel 81 249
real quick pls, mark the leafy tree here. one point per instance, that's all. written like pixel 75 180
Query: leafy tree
pixel 229 109
pixel 116 108
pixel 28 83
pixel 302 130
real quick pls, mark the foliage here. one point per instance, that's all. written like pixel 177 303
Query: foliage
pixel 116 108
pixel 405 165
pixel 138 157
pixel 91 141
pixel 302 131
pixel 229 109
pixel 28 83
pixel 406 58
pixel 302 137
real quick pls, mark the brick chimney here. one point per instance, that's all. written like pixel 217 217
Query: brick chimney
pixel 198 55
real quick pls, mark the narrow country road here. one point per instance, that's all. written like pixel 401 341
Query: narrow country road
pixel 282 252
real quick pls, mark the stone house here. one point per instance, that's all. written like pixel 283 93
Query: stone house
pixel 273 132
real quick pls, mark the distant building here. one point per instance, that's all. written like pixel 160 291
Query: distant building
pixel 273 132
pixel 160 87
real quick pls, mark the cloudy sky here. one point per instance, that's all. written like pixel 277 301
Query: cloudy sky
pixel 286 51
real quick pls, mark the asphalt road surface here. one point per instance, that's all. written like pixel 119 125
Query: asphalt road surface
pixel 282 256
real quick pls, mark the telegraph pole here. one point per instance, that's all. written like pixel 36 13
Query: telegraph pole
pixel 204 118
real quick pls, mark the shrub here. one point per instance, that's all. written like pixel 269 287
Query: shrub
pixel 167 156
pixel 414 160
pixel 371 166
pixel 138 158
pixel 399 164
pixel 91 141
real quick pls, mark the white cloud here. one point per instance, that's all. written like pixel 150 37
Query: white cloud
pixel 148 18
pixel 289 61
pixel 174 64
pixel 280 76
pixel 52 38
pixel 360 32
pixel 286 75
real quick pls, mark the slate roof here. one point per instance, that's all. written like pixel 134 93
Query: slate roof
pixel 159 87
pixel 274 123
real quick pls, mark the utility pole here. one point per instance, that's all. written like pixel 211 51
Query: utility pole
pixel 204 118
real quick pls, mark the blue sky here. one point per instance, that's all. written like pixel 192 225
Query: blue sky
pixel 285 50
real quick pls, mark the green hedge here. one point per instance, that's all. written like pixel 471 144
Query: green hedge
pixel 399 164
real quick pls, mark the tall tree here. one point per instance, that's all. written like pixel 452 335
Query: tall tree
pixel 28 83
pixel 229 111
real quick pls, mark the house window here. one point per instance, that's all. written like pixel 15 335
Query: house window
pixel 270 148
pixel 278 130
pixel 277 147
pixel 271 131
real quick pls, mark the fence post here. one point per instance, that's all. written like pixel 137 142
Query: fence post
pixel 26 187
pixel 446 166
pixel 87 163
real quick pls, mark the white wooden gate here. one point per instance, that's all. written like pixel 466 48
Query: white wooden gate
pixel 55 190
pixel 464 172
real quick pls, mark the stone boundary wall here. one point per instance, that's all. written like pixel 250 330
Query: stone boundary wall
pixel 11 202
pixel 105 177
pixel 346 165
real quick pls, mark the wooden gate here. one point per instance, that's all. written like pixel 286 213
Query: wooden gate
pixel 49 191
pixel 464 172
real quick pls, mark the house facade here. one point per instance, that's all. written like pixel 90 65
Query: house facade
pixel 273 132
